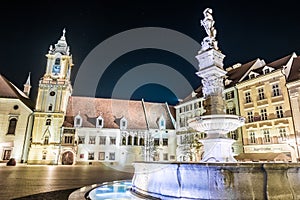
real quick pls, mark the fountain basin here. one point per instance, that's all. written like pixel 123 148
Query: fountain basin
pixel 216 180
pixel 216 125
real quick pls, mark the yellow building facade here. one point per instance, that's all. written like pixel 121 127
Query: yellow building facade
pixel 264 102
pixel 53 94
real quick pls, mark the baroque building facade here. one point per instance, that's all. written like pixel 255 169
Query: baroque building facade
pixel 264 102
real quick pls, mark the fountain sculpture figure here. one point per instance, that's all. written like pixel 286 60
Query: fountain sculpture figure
pixel 215 123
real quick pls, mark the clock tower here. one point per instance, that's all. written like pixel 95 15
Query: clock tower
pixel 53 93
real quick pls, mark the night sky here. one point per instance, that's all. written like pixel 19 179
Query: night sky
pixel 245 31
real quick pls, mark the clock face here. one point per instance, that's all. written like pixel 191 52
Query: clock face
pixel 56 69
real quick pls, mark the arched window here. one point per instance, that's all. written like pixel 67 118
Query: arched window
pixel 12 126
pixel 48 122
pixel 142 143
pixel 129 141
pixel 46 140
pixel 135 140
pixel 57 61
pixel 123 140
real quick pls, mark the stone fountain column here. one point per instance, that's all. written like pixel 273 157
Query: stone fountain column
pixel 215 122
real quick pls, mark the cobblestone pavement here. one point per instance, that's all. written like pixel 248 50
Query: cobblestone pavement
pixel 40 182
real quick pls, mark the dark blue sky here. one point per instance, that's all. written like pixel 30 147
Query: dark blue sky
pixel 245 31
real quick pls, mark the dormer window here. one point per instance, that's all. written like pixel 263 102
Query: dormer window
pixel 253 75
pixel 78 121
pixel 123 123
pixel 99 122
pixel 162 123
pixel 267 69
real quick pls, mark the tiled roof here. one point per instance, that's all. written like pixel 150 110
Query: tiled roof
pixel 112 110
pixel 277 64
pixel 295 70
pixel 236 74
pixel 9 90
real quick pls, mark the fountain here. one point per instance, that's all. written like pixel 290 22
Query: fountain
pixel 218 175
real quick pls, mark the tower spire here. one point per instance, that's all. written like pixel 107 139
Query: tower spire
pixel 61 46
pixel 27 86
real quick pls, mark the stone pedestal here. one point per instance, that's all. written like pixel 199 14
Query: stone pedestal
pixel 217 150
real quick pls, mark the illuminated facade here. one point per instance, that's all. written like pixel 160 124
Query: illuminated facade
pixel 120 131
pixel 264 102
pixel 53 94
pixel 16 111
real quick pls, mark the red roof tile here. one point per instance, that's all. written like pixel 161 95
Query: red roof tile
pixel 112 110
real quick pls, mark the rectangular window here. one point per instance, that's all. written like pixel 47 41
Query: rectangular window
pixel 165 141
pixel 46 140
pixel 267 70
pixel 81 140
pixel 279 112
pixel 112 140
pixel 187 108
pixel 81 156
pixel 68 139
pixel 250 116
pixel 263 114
pixel 101 156
pixel 182 109
pixel 231 111
pixel 282 133
pixel 112 156
pixel 91 156
pixel 233 135
pixel 165 156
pixel 7 154
pixel 252 138
pixel 275 90
pixel 77 122
pixel 261 94
pixel 12 126
pixel 102 140
pixel 156 141
pixel 196 105
pixel 100 122
pixel 267 136
pixel 248 97
pixel 92 140
pixel 182 122
pixel 229 95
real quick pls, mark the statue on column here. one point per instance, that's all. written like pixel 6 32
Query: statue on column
pixel 208 22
